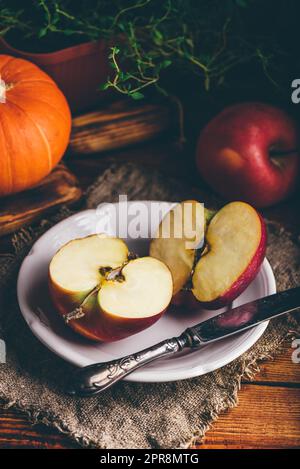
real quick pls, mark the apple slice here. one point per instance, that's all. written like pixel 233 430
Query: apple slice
pixel 102 293
pixel 236 246
pixel 179 234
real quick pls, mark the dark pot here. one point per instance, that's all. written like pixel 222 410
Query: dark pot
pixel 77 70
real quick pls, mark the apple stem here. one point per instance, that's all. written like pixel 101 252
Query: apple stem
pixel 283 152
pixel 277 156
pixel 78 312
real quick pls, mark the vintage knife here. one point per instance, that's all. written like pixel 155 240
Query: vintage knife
pixel 93 379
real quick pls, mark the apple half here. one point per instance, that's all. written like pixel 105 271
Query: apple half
pixel 104 294
pixel 179 235
pixel 235 249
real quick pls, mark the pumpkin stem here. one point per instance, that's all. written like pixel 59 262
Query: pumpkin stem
pixel 3 88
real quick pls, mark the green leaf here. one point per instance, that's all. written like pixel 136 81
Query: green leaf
pixel 189 42
pixel 42 32
pixel 136 95
pixel 165 63
pixel 124 76
pixel 104 86
pixel 157 37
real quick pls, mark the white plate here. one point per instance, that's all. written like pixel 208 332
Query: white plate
pixel 38 312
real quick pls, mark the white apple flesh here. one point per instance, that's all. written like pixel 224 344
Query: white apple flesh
pixel 179 234
pixel 236 246
pixel 117 296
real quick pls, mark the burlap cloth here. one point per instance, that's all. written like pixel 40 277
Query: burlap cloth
pixel 131 415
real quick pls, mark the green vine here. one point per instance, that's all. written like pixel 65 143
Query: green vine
pixel 203 37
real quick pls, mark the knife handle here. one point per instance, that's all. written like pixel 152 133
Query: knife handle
pixel 92 379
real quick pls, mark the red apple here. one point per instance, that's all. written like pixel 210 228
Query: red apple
pixel 250 152
pixel 104 294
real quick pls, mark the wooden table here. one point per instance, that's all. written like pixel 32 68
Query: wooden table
pixel 268 414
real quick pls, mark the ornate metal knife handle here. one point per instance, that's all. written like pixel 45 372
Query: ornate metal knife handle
pixel 93 379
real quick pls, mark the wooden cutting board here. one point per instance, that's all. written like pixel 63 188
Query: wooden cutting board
pixel 60 187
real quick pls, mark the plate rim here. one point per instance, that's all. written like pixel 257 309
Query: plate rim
pixel 249 338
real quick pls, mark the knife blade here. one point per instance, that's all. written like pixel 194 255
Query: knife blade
pixel 90 380
pixel 246 316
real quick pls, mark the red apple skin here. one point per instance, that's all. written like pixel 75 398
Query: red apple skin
pixel 245 278
pixel 97 325
pixel 233 154
pixel 180 298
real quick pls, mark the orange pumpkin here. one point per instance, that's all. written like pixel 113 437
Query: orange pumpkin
pixel 35 124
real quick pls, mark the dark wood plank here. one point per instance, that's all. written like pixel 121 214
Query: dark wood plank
pixel 266 417
pixel 17 432
pixel 119 125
